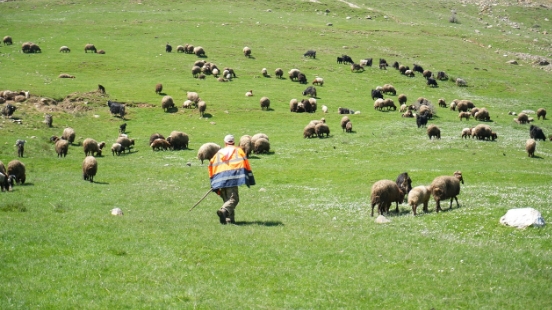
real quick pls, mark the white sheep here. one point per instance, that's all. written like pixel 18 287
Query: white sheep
pixel 419 195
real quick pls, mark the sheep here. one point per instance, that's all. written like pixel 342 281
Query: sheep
pixel 403 108
pixel 347 60
pixel 482 115
pixel 116 148
pixel 407 114
pixel 158 144
pixel 230 71
pixel 215 72
pixel 309 131
pixel 461 82
pixel 389 104
pixel 199 63
pixel 91 147
pixel 101 52
pixel 356 67
pixel 116 108
pixel 207 151
pixel 7 40
pixel 61 146
pixel 26 47
pixel 188 104
pixel 196 71
pixel 189 48
pixel 17 169
pixel 522 118
pixel 465 115
pixel 409 73
pixel 321 129
pixel 441 75
pixel 324 109
pixel 247 51
pixel 318 81
pixel 313 104
pixel 339 60
pixel 404 182
pixel 34 48
pixel 89 168
pixel 101 89
pixel 302 78
pixel 474 111
pixel 199 51
pixel 167 103
pixel 293 104
pixel 64 49
pixel 530 147
pixel 168 48
pixel 264 72
pixel 388 88
pixel 431 82
pixel 464 105
pixel 178 140
pixel 442 103
pixel 466 132
pixel 310 53
pixel 349 127
pixel 48 119
pixel 421 120
pixel 310 91
pixel 341 110
pixel 245 144
pixel 261 145
pixel 258 136
pixel 344 121
pixel 378 104
pixel 158 88
pixel 426 74
pixel 192 96
pixel 66 76
pixel 265 103
pixel 433 131
pixel 316 121
pixel 402 69
pixel 155 136
pixel 366 62
pixel 445 187
pixel 536 133
pixel 541 113
pixel 125 142
pixel 417 68
pixel 68 134
pixel 402 99
pixel 383 62
pixel 20 144
pixel 305 106
pixel 279 73
pixel 419 195
pixel 202 106
pixel 293 74
pixel 453 105
pixel 383 194
pixel 90 47
pixel 180 49
pixel 482 132
pixel 6 181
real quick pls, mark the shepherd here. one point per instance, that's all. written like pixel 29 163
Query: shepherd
pixel 228 169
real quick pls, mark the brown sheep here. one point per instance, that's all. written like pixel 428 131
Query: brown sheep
pixel 178 140
pixel 155 136
pixel 199 51
pixel 7 40
pixel 207 151
pixel 482 115
pixel 91 147
pixel 89 168
pixel 293 103
pixel 541 113
pixel 202 106
pixel 261 145
pixel 344 121
pixel 125 142
pixel 158 88
pixel 279 73
pixel 89 47
pixel 383 194
pixel 321 129
pixel 69 135
pixel 167 103
pixel 62 146
pixel 245 144
pixel 433 131
pixel 388 88
pixel 17 169
pixel 247 51
pixel 442 103
pixel 466 133
pixel 349 127
pixel 158 144
pixel 482 132
pixel 402 99
pixel 309 131
pixel 530 147
pixel 445 187
pixel 465 115
pixel 265 103
pixel 522 118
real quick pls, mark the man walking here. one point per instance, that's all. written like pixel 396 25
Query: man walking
pixel 228 169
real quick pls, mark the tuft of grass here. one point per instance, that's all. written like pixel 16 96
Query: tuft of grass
pixel 13 207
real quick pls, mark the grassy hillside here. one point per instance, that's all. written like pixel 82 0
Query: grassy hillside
pixel 304 237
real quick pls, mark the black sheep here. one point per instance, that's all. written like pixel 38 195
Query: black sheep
pixel 307 105
pixel 168 48
pixel 20 147
pixel 347 59
pixel 310 91
pixel 404 182
pixel 431 82
pixel 302 78
pixel 122 128
pixel 441 75
pixel 421 120
pixel 339 60
pixel 536 133
pixel 417 68
pixel 116 108
pixel 310 53
pixel 396 65
pixel 8 110
pixel 376 93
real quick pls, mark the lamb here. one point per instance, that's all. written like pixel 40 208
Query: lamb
pixel 383 194
pixel 167 103
pixel 125 142
pixel 91 147
pixel 202 106
pixel 522 118
pixel 388 88
pixel 178 140
pixel 536 133
pixel 419 195
pixel 196 71
pixel 158 88
pixel 293 104
pixel 530 147
pixel 158 144
pixel 318 81
pixel 116 148
pixel 264 72
pixel 442 103
pixel 64 49
pixel 188 104
pixel 279 73
pixel 61 146
pixel 445 187
pixel 265 103
pixel 349 127
pixel 324 109
pixel 466 133
pixel 89 168
pixel 257 137
pixel 261 145
pixel 20 144
pixel 378 104
pixel 7 40
pixel 408 114
pixel 192 96
pixel 310 53
pixel 441 75
pixel 17 169
pixel 90 47
pixel 356 67
pixel 207 151
pixel 168 48
pixel 66 76
pixel 541 113
pixel 461 82
pixel 433 131
pixel 482 114
pixel 199 51
pixel 69 135
pixel 465 115
pixel 344 121
pixel 247 51
pixel 309 131
pixel 245 144
pixel 402 99
pixel 321 129
pixel 482 132
pixel 155 136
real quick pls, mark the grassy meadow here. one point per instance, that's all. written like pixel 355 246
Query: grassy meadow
pixel 304 237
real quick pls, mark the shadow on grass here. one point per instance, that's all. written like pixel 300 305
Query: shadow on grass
pixel 100 183
pixel 257 157
pixel 260 223
pixel 172 110
pixel 207 115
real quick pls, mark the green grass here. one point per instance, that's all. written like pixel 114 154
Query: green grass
pixel 305 238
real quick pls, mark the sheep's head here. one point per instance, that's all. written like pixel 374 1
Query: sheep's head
pixel 458 175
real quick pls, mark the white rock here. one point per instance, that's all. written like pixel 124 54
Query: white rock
pixel 522 218
pixel 382 220
pixel 117 211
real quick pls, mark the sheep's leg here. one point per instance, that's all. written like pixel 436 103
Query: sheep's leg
pixel 425 207
pixel 450 206
pixel 414 209
pixel 438 207
pixel 372 215
pixel 397 209
pixel 457 204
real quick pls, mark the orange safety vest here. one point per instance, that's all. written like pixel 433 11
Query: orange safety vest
pixel 230 167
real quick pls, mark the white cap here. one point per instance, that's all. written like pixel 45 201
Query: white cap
pixel 229 139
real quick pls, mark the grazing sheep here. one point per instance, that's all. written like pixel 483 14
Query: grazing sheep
pixel 257 137
pixel 466 133
pixel 207 151
pixel 306 106
pixel 180 49
pixel 61 146
pixel 324 109
pixel 530 147
pixel 417 68
pixel 189 48
pixel 445 187
pixel 441 75
pixel 349 127
pixel 245 144
pixel 158 88
pixel 302 78
pixel 461 82
pixel 541 113
pixel 403 108
pixel 202 106
pixel 229 71
pixel 389 104
pixel 464 105
pixel 442 103
pixel 402 99
pixel 419 195
pixel 264 72
pixel 26 47
pixel 101 52
pixel 309 131
pixel 192 96
pixel 522 118
pixel 34 48
pixel 426 74
pixel 366 62
pixel 318 81
pixel 167 103
pixel 89 168
pixel 116 148
pixel 408 114
pixel 388 88
pixel 536 133
pixel 68 134
pixel 17 169
pixel 279 73
pixel 249 93
pixel 344 121
pixel 116 108
pixel 7 40
pixel 64 49
pixel 409 73
pixel 433 131
pixel 378 104
pixel 383 194
pixel 465 115
pixel 453 104
pixel 91 147
pixel 196 71
pixel 6 181
pixel 215 72
pixel 125 142
pixel 431 82
pixel 178 140
pixel 159 144
pixel 90 47
pixel 481 114
pixel 402 69
pixel 168 48
pixel 482 132
pixel 310 91
pixel 347 60
pixel 310 53
pixel 321 129
pixel 265 103
pixel 188 104
pixel 247 51
pixel 199 51
pixel 154 137
pixel 66 76
pixel 356 67
pixel 421 120
pixel 293 74
pixel 261 145
pixel 293 104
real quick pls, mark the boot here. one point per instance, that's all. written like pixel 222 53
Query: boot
pixel 222 213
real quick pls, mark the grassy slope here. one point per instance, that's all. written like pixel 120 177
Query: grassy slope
pixel 308 240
